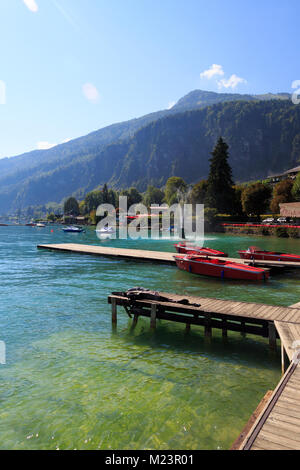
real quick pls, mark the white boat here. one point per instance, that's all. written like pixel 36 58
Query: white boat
pixel 73 229
pixel 106 230
pixel 40 225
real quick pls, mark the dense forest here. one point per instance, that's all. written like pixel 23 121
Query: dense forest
pixel 263 135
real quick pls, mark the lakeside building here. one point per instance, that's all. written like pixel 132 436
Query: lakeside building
pixel 290 209
pixel 292 173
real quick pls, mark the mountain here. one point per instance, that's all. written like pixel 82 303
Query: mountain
pixel 259 130
pixel 200 99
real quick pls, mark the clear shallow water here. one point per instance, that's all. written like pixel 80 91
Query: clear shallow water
pixel 70 382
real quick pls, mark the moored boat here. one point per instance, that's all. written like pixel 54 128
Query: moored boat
pixel 73 229
pixel 222 269
pixel 106 230
pixel 255 253
pixel 190 248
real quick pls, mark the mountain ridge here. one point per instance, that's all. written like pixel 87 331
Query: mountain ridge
pixel 112 153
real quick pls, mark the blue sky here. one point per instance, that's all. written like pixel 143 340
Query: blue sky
pixel 68 67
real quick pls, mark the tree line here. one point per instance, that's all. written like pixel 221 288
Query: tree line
pixel 218 193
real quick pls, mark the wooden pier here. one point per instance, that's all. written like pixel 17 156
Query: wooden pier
pixel 275 425
pixel 150 256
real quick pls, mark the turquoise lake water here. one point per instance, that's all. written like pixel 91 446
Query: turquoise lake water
pixel 71 382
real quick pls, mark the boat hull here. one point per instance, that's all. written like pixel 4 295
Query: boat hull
pixel 190 249
pixel 269 256
pixel 220 269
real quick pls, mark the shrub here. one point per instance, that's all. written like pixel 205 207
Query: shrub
pixel 281 232
pixel 293 232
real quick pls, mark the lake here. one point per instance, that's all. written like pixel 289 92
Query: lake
pixel 70 382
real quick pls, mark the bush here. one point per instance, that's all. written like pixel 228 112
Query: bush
pixel 293 232
pixel 265 231
pixel 281 232
pixel 210 218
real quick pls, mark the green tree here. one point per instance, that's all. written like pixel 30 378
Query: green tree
pixel 210 218
pixel 92 200
pixel 256 198
pixel 176 187
pixel 296 188
pixel 282 193
pixel 105 194
pixel 153 195
pixel 198 193
pixel 133 196
pixel 71 207
pixel 51 217
pixel 220 193
pixel 237 206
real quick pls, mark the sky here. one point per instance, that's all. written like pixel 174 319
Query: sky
pixel 69 67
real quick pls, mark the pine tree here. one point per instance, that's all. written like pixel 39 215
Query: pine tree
pixel 220 192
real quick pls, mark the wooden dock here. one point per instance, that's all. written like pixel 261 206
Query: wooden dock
pixel 275 425
pixel 150 256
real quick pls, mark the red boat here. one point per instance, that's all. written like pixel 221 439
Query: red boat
pixel 255 253
pixel 219 268
pixel 192 249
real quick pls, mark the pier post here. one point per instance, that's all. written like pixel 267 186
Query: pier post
pixel 272 336
pixel 114 311
pixel 135 320
pixel 153 316
pixel 284 359
pixel 207 329
pixel 243 333
pixel 224 328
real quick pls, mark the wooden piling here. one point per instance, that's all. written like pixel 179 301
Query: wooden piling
pixel 243 333
pixel 284 359
pixel 272 336
pixel 114 311
pixel 153 316
pixel 135 320
pixel 207 328
pixel 224 328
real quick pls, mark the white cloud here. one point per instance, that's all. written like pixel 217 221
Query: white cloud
pixel 171 104
pixel 231 82
pixel 43 145
pixel 213 71
pixel 90 92
pixel 31 5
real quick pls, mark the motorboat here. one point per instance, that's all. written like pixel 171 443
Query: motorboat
pixel 222 269
pixel 106 230
pixel 73 229
pixel 40 225
pixel 190 248
pixel 255 253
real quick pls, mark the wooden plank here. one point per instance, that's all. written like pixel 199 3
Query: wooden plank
pixel 287 336
pixel 143 254
pixel 237 443
pixel 256 430
pixel 269 442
